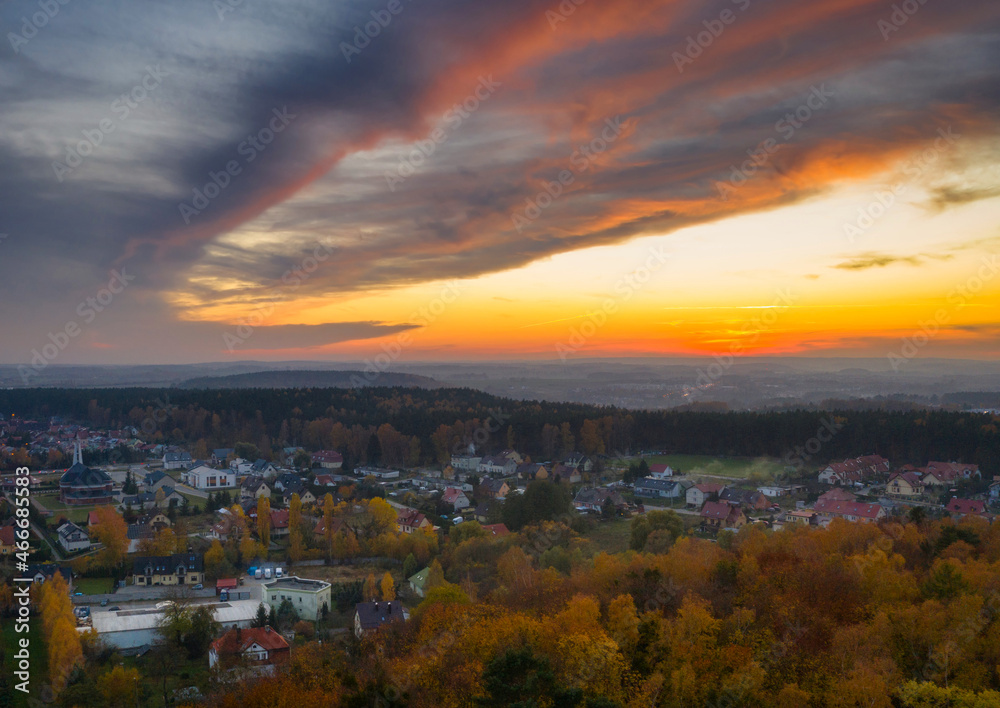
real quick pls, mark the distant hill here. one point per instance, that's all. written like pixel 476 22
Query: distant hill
pixel 309 379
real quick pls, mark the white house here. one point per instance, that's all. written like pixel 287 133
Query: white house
pixel 240 466
pixel 72 537
pixel 203 477
pixel 307 596
pixel 176 460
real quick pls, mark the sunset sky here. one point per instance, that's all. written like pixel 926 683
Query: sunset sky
pixel 498 180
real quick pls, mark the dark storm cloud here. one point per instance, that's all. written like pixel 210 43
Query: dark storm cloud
pixel 686 126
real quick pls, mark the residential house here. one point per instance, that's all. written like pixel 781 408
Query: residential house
pixel 495 488
pixel 488 511
pixel 240 467
pixel 594 499
pixel 220 455
pixel 161 499
pixel 207 478
pixel 838 494
pixel 747 498
pixel 660 471
pixel 467 463
pixel 959 470
pixel 259 648
pixel 40 572
pixel 263 468
pixel 496 529
pixel 370 616
pixel 410 520
pixel 338 525
pixel 178 569
pixel 566 474
pixel 328 459
pixel 530 471
pixel 698 494
pixel 850 511
pixel 82 486
pixel 279 523
pixel 254 488
pixel 176 460
pixel 576 459
pixel 324 480
pixel 716 516
pixel 72 538
pixel 959 508
pixel 286 480
pixel 498 466
pixel 145 528
pixel 418 582
pixel 455 497
pixel 857 471
pixel 8 540
pixel 378 472
pixel 305 496
pixel 773 492
pixel 905 484
pixel 222 528
pixel 801 516
pixel 308 597
pixel 651 488
pixel 155 480
pixel 994 489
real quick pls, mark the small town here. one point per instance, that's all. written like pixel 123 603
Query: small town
pixel 298 548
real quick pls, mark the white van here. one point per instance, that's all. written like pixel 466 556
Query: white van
pixel 258 574
pixel 267 573
pixel 278 572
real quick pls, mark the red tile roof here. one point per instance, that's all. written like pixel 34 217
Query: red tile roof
pixel 497 529
pixel 966 506
pixel 6 535
pixel 279 519
pixel 846 508
pixel 234 642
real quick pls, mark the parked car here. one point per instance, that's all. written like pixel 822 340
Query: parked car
pixel 116 608
pixel 78 594
pixel 199 586
pixel 104 602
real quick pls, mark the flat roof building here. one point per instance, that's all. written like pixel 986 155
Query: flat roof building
pixel 307 596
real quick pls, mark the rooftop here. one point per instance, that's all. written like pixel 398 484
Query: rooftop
pixel 296 583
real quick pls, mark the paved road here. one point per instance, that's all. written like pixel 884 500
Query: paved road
pixel 55 551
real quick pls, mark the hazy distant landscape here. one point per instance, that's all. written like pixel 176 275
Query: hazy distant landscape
pixel 746 384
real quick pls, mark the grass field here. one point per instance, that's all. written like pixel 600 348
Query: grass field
pixel 610 536
pixel 94 586
pixel 695 465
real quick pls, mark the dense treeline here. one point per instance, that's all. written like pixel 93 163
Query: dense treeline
pixel 881 616
pixel 317 418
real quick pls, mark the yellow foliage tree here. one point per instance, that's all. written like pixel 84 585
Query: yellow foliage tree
pixel 264 521
pixel 118 687
pixel 111 531
pixel 388 587
pixel 370 589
